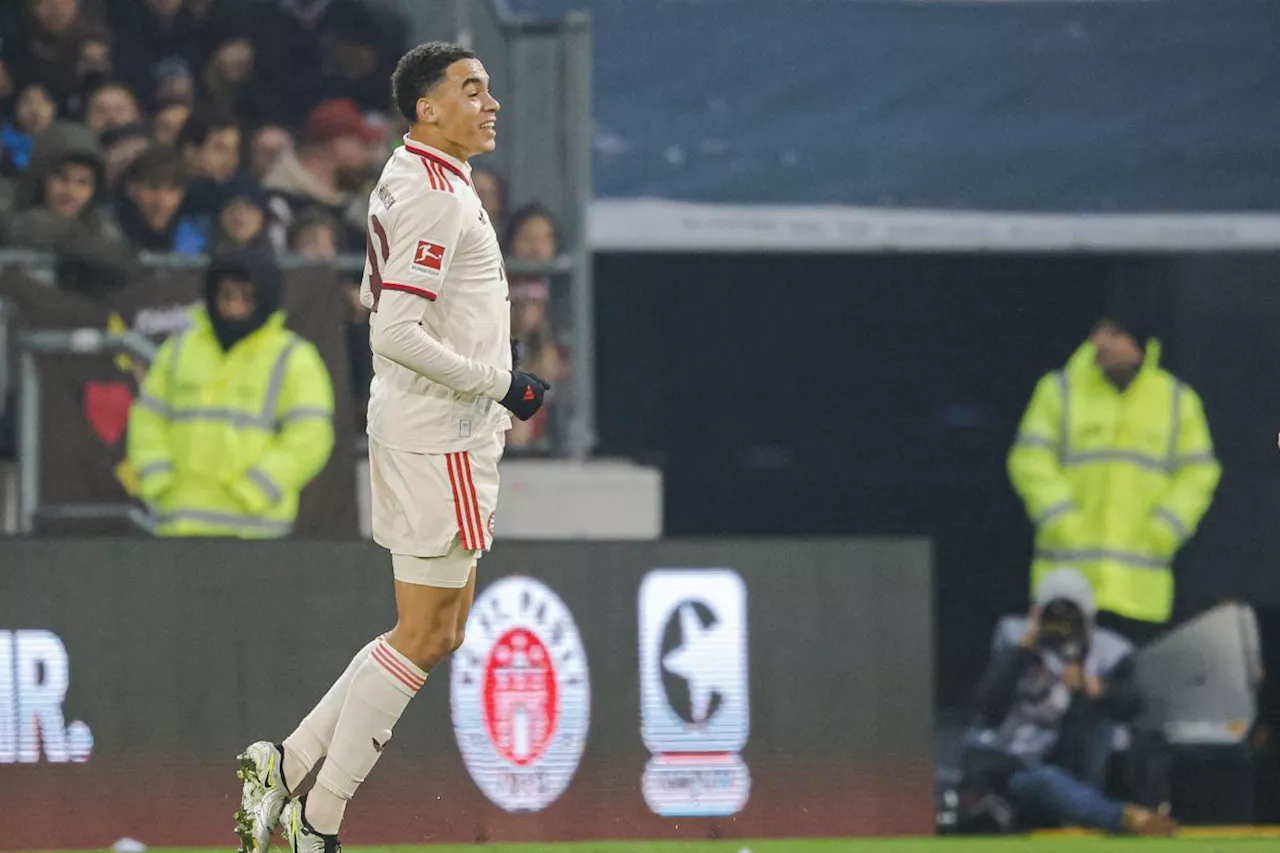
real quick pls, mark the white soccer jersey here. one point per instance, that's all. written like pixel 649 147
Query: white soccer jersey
pixel 433 265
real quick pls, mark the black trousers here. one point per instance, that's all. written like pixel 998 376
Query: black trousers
pixel 1134 630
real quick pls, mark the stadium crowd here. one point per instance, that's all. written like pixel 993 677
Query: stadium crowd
pixel 202 127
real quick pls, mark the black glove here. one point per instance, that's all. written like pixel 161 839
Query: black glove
pixel 525 397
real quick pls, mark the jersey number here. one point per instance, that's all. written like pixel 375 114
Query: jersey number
pixel 383 250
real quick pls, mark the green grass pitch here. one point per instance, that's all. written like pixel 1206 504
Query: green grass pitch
pixel 1198 841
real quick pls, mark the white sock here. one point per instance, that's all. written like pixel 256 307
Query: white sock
pixel 380 691
pixel 310 740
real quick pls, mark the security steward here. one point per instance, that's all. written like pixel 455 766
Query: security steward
pixel 1115 464
pixel 236 414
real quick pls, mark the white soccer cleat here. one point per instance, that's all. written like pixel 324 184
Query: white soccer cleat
pixel 262 797
pixel 301 837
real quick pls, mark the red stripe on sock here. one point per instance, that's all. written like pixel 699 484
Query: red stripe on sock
pixel 475 501
pixel 386 658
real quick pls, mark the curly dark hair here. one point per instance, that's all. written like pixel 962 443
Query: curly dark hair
pixel 421 70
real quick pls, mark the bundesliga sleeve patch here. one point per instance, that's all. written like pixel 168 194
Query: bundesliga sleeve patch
pixel 429 258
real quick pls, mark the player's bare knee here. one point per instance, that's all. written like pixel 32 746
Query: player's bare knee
pixel 459 637
pixel 426 645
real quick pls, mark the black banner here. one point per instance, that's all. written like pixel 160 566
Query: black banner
pixel 86 398
pixel 676 689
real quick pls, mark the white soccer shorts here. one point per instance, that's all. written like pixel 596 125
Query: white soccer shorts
pixel 435 505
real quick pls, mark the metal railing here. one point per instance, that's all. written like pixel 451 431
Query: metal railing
pixel 6 320
pixel 74 342
pixel 30 345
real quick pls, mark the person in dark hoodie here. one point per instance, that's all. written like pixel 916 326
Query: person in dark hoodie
pixel 150 206
pixel 1047 710
pixel 235 417
pixel 242 219
pixel 58 204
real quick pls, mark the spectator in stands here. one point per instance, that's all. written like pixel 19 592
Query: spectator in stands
pixel 532 236
pixel 235 417
pixel 314 236
pixel 111 105
pixel 325 174
pixel 355 65
pixel 6 83
pixel 1046 710
pixel 123 145
pixel 59 203
pixel 270 143
pixel 241 220
pixel 227 82
pixel 173 82
pixel 1115 464
pixel 492 189
pixel 94 64
pixel 156 31
pixel 47 54
pixel 171 116
pixel 210 143
pixel 35 111
pixel 294 38
pixel 150 209
pixel 6 198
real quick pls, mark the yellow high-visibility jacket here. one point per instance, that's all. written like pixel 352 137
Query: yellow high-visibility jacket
pixel 221 442
pixel 1114 481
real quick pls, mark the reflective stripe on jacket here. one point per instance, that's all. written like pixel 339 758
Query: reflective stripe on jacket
pixel 1115 481
pixel 222 443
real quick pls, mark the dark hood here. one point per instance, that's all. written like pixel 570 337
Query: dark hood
pixel 53 146
pixel 251 264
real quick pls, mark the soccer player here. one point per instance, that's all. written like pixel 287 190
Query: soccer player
pixel 438 409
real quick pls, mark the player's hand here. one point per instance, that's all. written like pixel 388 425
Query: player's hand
pixel 1073 677
pixel 1032 635
pixel 525 397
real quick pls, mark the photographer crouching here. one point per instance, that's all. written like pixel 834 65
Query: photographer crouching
pixel 1047 710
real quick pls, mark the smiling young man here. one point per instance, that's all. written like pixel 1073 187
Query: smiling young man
pixel 438 411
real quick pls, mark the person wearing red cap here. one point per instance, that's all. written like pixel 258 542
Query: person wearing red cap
pixel 327 173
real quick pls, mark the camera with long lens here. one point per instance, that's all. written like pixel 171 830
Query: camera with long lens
pixel 1062 630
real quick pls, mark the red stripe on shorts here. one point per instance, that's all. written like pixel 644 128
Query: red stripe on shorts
pixel 464 518
pixel 475 501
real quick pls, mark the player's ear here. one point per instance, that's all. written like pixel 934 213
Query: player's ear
pixel 426 111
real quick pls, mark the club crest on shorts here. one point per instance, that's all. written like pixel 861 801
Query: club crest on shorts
pixel 521 695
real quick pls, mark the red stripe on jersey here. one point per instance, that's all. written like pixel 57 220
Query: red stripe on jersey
pixel 444 164
pixel 384 658
pixel 438 178
pixel 444 177
pixel 409 288
pixel 431 175
pixel 475 501
pixel 457 502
